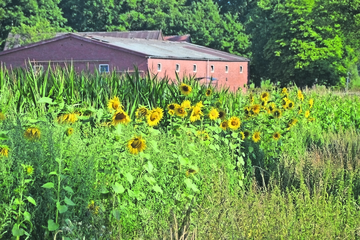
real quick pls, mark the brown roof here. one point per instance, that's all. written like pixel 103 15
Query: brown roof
pixel 176 38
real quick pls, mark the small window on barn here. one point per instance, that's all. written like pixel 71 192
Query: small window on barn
pixel 241 69
pixel 159 67
pixel 104 68
pixel 38 69
pixel 226 68
pixel 212 68
pixel 177 67
pixel 194 68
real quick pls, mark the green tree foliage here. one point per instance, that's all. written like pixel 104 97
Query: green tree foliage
pixel 17 14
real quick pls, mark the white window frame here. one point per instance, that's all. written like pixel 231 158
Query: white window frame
pixel 212 68
pixel 177 67
pixel 103 65
pixel 159 67
pixel 194 68
pixel 241 69
pixel 226 69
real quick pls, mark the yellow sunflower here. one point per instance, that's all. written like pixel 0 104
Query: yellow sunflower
pixel 185 89
pixel 208 92
pixel 264 103
pixel 300 95
pixel 311 102
pixel 196 114
pixel 154 116
pixel 2 116
pixel 272 107
pixel 292 122
pixel 213 114
pixel 284 90
pixel 255 109
pixel 307 114
pixel 290 104
pixel 4 151
pixel 114 104
pixel 32 133
pixel 234 123
pixel 180 111
pixel 251 98
pixel 136 144
pixel 141 112
pixel 284 102
pixel 247 111
pixel 256 136
pixel 120 116
pixel 203 135
pixel 68 118
pixel 276 136
pixel 224 125
pixel 199 104
pixel 29 170
pixel 264 96
pixel 242 135
pixel 171 112
pixel 69 131
pixel 222 114
pixel 186 104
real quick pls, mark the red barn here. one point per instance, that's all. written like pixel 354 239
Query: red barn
pixel 161 57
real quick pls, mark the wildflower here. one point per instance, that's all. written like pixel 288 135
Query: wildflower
pixel 276 136
pixel 255 109
pixel 96 210
pixel 196 114
pixel 256 137
pixel 214 114
pixel 307 114
pixel 191 171
pixel 32 133
pixel 246 133
pixel 69 131
pixel 242 135
pixel 136 145
pixel 234 123
pixel 120 116
pixel 208 92
pixel 292 122
pixel 4 151
pixel 114 104
pixel 265 96
pixel 2 116
pixel 300 95
pixel 185 89
pixel 311 102
pixel 155 116
pixel 29 170
pixel 141 112
pixel 222 114
pixel 186 104
pixel 224 125
pixel 180 111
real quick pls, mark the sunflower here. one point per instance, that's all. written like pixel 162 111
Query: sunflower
pixel 290 104
pixel 4 151
pixel 300 95
pixel 251 98
pixel 284 102
pixel 171 112
pixel 196 114
pixel 68 118
pixel 32 133
pixel 185 89
pixel 234 123
pixel 136 145
pixel 141 112
pixel 264 103
pixel 69 131
pixel 213 114
pixel 222 114
pixel 2 116
pixel 191 171
pixel 277 113
pixel 256 136
pixel 246 133
pixel 292 122
pixel 203 135
pixel 276 136
pixel 247 111
pixel 311 102
pixel 224 125
pixel 255 109
pixel 242 135
pixel 186 104
pixel 114 104
pixel 284 90
pixel 307 114
pixel 180 111
pixel 264 96
pixel 272 107
pixel 120 116
pixel 208 92
pixel 155 116
pixel 29 170
pixel 199 104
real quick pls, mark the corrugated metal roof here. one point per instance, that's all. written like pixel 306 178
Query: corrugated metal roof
pixel 177 38
pixel 169 49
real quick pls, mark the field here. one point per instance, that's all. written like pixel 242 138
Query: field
pixel 131 157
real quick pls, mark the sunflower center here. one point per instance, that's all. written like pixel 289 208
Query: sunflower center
pixel 136 143
pixel 234 122
pixel 120 116
pixel 154 116
pixel 172 107
pixel 181 111
pixel 185 88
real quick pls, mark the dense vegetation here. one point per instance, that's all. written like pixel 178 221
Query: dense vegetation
pixel 125 157
pixel 306 41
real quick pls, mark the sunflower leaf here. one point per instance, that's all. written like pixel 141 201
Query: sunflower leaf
pixel 129 177
pixel 149 167
pixel 157 189
pixel 118 188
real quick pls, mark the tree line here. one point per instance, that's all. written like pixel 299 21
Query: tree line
pixel 300 41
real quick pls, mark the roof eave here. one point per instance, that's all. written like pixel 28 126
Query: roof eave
pixel 198 59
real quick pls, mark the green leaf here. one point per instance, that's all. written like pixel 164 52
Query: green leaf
pixel 48 185
pixel 149 167
pixel 17 231
pixel 183 161
pixel 118 188
pixel 27 216
pixel 235 134
pixel 116 214
pixel 68 189
pixel 53 173
pixel 104 190
pixel 251 149
pixel 46 100
pixel 69 202
pixel 157 189
pixel 129 177
pixel 52 226
pixel 30 199
pixel 189 184
pixel 150 180
pixel 62 208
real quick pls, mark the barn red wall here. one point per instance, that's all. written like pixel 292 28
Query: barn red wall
pixel 73 49
pixel 232 80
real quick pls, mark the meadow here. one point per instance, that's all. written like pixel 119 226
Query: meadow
pixel 104 156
